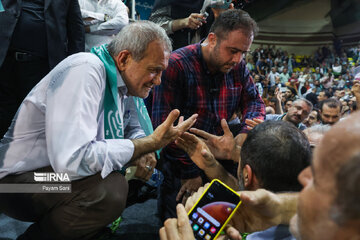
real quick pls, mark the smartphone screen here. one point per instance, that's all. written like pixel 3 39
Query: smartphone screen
pixel 213 210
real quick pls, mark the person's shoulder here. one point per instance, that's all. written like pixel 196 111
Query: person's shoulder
pixel 88 63
pixel 185 52
pixel 185 57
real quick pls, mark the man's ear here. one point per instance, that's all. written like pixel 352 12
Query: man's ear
pixel 212 39
pixel 250 180
pixel 247 175
pixel 122 59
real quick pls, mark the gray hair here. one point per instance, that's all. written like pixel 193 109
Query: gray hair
pixel 306 101
pixel 135 37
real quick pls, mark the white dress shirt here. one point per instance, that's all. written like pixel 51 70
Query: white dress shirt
pixel 110 16
pixel 61 123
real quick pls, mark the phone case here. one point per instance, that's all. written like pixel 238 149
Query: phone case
pixel 232 213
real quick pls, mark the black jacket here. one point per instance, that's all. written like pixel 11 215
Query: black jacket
pixel 64 28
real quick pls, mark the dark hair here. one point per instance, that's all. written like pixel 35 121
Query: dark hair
pixel 331 103
pixel 327 94
pixel 318 115
pixel 232 20
pixel 277 152
pixel 346 205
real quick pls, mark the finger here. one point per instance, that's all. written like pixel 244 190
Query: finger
pixel 225 127
pixel 249 128
pixel 194 197
pixel 201 133
pixel 197 15
pixel 181 193
pixel 181 119
pixel 258 121
pixel 171 228
pixel 190 138
pixel 250 122
pixel 183 221
pixel 184 199
pixel 173 115
pixel 184 126
pixel 183 218
pixel 181 143
pixel 232 233
pixel 162 234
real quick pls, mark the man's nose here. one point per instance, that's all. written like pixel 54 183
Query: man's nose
pixel 157 79
pixel 237 57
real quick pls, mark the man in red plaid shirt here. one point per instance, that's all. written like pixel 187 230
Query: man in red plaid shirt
pixel 209 78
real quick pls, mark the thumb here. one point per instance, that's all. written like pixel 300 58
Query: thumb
pixel 173 115
pixel 225 127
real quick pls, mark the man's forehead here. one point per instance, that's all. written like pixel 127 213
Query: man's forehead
pixel 327 108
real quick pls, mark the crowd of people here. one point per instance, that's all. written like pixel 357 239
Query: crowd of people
pixel 324 75
pixel 266 123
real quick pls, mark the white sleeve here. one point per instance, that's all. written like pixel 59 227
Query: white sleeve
pixel 115 24
pixel 74 104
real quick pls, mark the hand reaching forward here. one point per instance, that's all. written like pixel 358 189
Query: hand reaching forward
pixel 163 134
pixel 262 209
pixel 167 132
pixel 197 150
pixel 223 147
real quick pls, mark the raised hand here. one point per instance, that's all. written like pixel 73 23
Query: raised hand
pixel 167 132
pixel 196 149
pixel 223 147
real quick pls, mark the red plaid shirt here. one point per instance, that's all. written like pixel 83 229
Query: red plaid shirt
pixel 188 85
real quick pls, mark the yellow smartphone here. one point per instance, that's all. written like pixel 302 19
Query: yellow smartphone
pixel 213 210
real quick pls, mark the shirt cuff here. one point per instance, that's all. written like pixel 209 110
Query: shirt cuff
pixel 120 153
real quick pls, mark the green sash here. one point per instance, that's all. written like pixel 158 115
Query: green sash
pixel 1 7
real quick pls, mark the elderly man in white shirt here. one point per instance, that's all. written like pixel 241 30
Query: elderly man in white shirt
pixel 103 19
pixel 86 119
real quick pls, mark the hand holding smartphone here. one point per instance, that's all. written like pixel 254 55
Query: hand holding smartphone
pixel 213 210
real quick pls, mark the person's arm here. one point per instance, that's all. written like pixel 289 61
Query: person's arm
pixel 75 29
pixel 259 209
pixel 74 144
pixel 205 160
pixel 251 104
pixel 222 147
pixel 278 106
pixel 114 24
pixel 162 17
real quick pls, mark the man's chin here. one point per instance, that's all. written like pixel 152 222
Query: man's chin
pixel 294 227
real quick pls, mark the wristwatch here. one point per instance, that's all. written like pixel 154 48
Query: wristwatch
pixel 106 17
